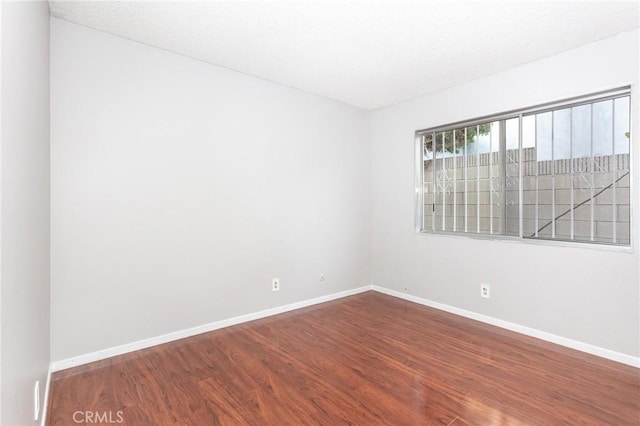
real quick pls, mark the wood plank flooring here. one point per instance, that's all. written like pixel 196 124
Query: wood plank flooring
pixel 368 359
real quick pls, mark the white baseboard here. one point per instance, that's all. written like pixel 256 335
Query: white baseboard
pixel 45 403
pixel 563 341
pixel 181 334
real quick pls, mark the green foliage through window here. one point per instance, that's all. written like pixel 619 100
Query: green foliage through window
pixel 454 141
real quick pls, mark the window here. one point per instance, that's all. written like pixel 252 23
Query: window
pixel 555 172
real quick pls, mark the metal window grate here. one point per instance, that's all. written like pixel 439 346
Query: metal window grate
pixel 556 172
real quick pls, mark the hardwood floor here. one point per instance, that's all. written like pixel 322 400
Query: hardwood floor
pixel 368 359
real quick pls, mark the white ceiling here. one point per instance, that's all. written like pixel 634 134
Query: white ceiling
pixel 365 53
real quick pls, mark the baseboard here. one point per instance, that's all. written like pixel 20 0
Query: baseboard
pixel 563 341
pixel 181 334
pixel 45 403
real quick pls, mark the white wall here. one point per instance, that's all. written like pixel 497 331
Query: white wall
pixel 179 189
pixel 591 296
pixel 24 215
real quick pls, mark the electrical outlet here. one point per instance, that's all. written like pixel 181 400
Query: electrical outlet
pixel 36 400
pixel 322 276
pixel 485 291
pixel 275 284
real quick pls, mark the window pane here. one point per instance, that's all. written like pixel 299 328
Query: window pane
pixel 443 181
pixel 601 124
pixel 484 208
pixel 543 137
pixel 562 171
pixel 512 176
pixel 559 174
pixel 621 209
pixel 562 134
pixel 529 131
pixel 529 177
pixel 621 131
pixel 428 191
pixel 581 132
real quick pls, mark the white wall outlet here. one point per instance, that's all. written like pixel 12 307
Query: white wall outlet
pixel 485 291
pixel 322 276
pixel 36 400
pixel 275 284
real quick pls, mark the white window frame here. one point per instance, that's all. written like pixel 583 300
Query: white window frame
pixel 520 113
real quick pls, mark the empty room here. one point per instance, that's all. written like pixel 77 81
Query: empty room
pixel 318 212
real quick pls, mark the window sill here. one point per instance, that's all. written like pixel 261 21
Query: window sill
pixel 531 241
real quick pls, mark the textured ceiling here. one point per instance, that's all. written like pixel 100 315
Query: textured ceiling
pixel 365 53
